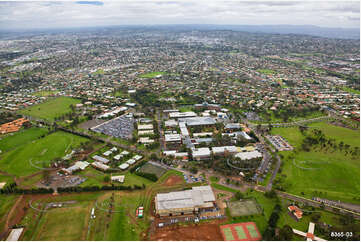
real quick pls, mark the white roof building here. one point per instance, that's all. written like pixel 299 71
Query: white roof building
pixel 249 155
pixel 198 121
pixel 172 138
pixel 118 178
pixel 15 234
pixel 2 185
pixel 118 157
pixel 197 197
pixel 107 153
pixel 137 157
pixel 125 152
pixel 123 166
pixel 145 140
pixel 223 149
pixel 100 166
pixel 142 132
pixel 171 123
pixel 131 161
pixel 145 126
pixel 200 153
pixel 100 159
pixel 182 115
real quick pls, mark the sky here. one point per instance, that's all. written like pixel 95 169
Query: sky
pixel 59 14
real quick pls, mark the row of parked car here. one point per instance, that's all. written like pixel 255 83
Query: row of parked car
pixel 191 178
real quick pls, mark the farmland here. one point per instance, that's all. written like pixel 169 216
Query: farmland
pixel 38 152
pixel 51 109
pixel 337 173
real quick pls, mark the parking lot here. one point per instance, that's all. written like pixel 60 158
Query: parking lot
pixel 120 127
pixel 59 180
pixel 279 143
pixel 189 218
pixel 190 178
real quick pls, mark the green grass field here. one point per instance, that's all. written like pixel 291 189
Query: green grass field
pixel 350 90
pixel 334 175
pixel 266 71
pixel 274 119
pixel 67 223
pixel 51 109
pixel 6 202
pixel 152 74
pixel 223 188
pixel 73 218
pixel 156 170
pixel 44 150
pixel 20 138
pixel 243 208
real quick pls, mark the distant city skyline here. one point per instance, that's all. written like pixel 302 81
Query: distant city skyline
pixel 65 14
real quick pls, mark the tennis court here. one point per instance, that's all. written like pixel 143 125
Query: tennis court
pixel 240 232
pixel 244 208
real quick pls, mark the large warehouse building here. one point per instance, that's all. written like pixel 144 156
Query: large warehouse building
pixel 185 202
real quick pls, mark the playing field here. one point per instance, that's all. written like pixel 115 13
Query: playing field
pixel 153 169
pixel 69 222
pixel 17 139
pixel 74 219
pixel 122 224
pixel 24 159
pixel 151 74
pixel 323 173
pixel 244 208
pixel 51 109
pixel 240 232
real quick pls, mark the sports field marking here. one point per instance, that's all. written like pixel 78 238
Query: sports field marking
pixel 252 231
pixel 240 232
pixel 228 234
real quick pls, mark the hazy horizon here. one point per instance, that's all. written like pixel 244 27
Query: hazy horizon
pixel 32 15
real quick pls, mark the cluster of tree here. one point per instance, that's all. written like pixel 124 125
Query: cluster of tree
pixel 12 188
pixel 102 188
pixel 317 137
pixel 146 98
pixel 270 233
pixel 149 176
pixel 289 111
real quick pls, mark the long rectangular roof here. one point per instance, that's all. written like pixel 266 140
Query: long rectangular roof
pixel 197 121
pixel 197 197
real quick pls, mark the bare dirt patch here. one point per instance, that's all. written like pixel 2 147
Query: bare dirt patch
pixel 204 231
pixel 173 180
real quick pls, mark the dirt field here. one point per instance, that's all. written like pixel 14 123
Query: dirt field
pixel 173 180
pixel 207 231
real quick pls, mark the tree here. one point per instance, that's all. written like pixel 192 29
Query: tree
pixel 238 195
pixel 271 194
pixel 106 179
pixel 286 233
pixel 193 169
